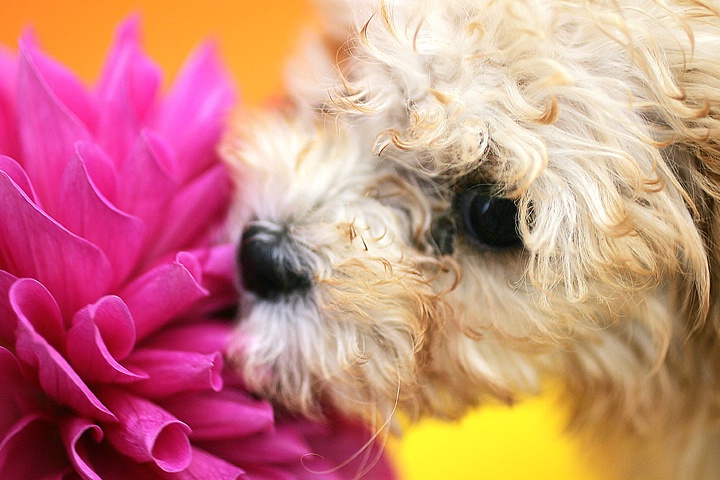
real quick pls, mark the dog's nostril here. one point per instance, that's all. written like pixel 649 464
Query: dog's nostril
pixel 268 266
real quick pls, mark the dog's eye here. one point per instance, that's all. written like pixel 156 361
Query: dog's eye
pixel 489 219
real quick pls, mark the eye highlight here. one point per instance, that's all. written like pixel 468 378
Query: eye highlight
pixel 489 219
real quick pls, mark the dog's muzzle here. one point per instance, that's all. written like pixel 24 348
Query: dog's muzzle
pixel 269 267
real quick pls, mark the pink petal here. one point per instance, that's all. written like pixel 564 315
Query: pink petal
pixel 72 431
pixel 108 463
pixel 10 377
pixel 62 82
pixel 8 320
pixel 100 168
pixel 193 123
pixel 272 472
pixel 338 441
pixel 198 206
pixel 147 433
pixel 36 246
pixel 89 215
pixel 205 466
pixel 206 336
pixel 218 267
pixel 17 174
pixel 170 372
pixel 126 91
pixel 32 300
pixel 45 111
pixel 147 183
pixel 114 322
pixel 279 446
pixel 162 293
pixel 20 448
pixel 218 261
pixel 33 306
pixel 191 263
pixel 18 395
pixel 102 334
pixel 223 415
pixel 8 125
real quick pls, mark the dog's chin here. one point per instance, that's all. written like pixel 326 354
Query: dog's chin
pixel 287 356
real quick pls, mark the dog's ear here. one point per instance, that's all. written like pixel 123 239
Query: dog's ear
pixel 687 114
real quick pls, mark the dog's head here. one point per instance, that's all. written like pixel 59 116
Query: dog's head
pixel 501 179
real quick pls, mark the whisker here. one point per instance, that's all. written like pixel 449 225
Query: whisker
pixel 367 447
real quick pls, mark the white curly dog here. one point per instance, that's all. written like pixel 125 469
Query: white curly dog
pixel 468 197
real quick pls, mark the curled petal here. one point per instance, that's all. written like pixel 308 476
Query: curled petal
pixel 88 214
pixel 102 334
pixel 127 91
pixel 31 301
pixel 193 123
pixel 113 320
pixel 147 433
pixel 72 431
pixel 19 450
pixel 162 293
pixel 42 114
pixel 57 378
pixel 170 372
pixel 34 245
pixel 223 415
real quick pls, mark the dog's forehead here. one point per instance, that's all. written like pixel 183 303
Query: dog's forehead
pixel 293 170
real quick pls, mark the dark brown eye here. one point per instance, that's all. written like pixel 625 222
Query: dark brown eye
pixel 488 218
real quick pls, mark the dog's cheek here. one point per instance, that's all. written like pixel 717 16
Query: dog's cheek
pixel 383 316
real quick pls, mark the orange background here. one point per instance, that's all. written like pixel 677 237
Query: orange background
pixel 255 37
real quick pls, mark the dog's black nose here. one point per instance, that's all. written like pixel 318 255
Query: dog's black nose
pixel 270 268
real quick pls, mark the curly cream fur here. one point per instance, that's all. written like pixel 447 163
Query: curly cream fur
pixel 601 119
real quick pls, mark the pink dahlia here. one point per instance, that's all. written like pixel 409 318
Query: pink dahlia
pixel 112 285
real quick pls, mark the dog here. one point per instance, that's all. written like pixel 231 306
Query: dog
pixel 467 198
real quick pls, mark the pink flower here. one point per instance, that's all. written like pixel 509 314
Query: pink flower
pixel 111 284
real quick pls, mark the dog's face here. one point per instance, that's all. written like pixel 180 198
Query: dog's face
pixel 336 271
pixel 506 195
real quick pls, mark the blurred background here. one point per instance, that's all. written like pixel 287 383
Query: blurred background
pixel 255 39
